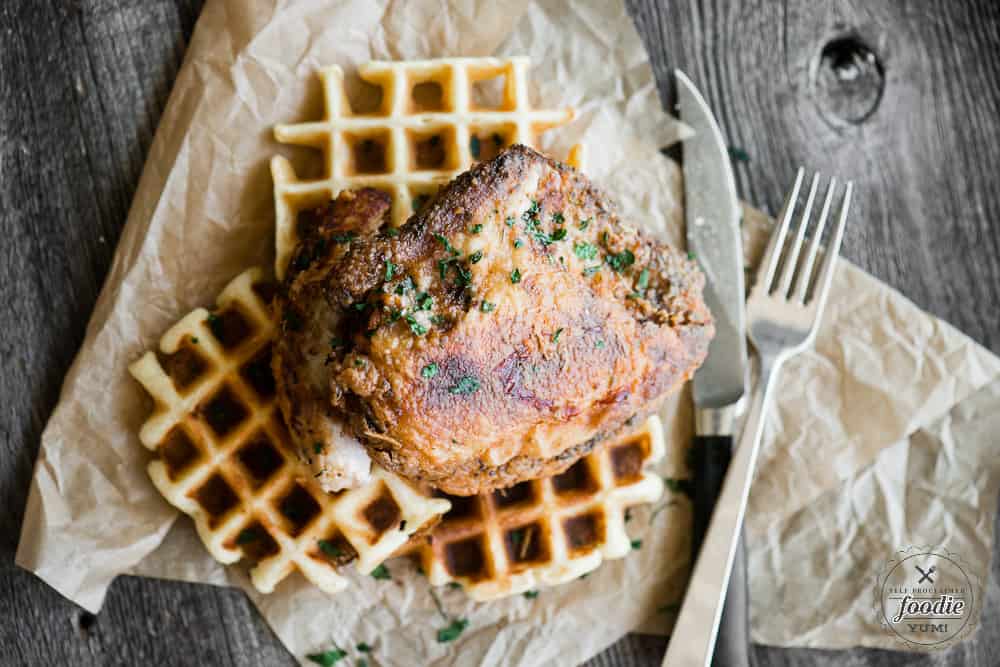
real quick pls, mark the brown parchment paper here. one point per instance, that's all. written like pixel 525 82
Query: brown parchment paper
pixel 883 376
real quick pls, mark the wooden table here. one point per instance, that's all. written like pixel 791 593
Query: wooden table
pixel 903 97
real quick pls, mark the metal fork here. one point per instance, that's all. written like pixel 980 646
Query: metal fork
pixel 783 315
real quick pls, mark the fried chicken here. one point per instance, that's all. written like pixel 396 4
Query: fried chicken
pixel 509 327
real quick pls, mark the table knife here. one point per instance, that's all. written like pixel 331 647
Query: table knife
pixel 712 212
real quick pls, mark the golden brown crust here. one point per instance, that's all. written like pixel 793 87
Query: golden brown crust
pixel 499 335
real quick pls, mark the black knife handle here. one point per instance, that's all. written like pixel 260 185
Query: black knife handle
pixel 710 458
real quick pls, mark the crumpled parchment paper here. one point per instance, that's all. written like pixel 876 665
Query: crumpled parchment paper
pixel 890 414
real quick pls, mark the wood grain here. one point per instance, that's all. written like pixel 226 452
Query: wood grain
pixel 82 85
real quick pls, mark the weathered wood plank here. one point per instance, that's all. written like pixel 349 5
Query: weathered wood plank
pixel 82 85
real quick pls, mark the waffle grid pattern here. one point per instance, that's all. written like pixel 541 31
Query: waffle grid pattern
pixel 222 454
pixel 549 531
pixel 428 129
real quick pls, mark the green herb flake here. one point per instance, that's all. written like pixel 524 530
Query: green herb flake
pixel 583 224
pixel 329 549
pixel 531 595
pixel 599 344
pixel 419 201
pixel 437 319
pixel 328 658
pixel 487 307
pixel 467 384
pixel 359 362
pixel 585 251
pixel 454 585
pixel 738 154
pixel 474 146
pixel 559 234
pixel 337 342
pixel 555 336
pixel 425 301
pixel 390 270
pixel 643 279
pixel 515 276
pixel 381 572
pixel 691 255
pixel 475 229
pixel 620 261
pixel 447 244
pixel 363 648
pixel 683 486
pixel 453 631
pixel 246 536
pixel 558 218
pixel 518 243
pixel 359 306
pixel 429 371
pixel 415 326
pixel 317 448
pixel 591 270
pixel 343 238
pixel 497 140
pixel 361 663
pixel 636 544
pixel 404 286
pixel 475 257
pixel 509 221
pixel 194 340
pixel 391 232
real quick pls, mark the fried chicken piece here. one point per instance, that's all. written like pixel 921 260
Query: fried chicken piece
pixel 508 328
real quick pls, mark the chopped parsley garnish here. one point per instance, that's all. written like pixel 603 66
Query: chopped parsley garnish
pixel 497 139
pixel 447 244
pixel 591 270
pixel 443 268
pixel 425 301
pixel 555 336
pixel 329 549
pixel 359 362
pixel 559 234
pixel 599 344
pixel 381 572
pixel 636 544
pixel 691 255
pixel 328 658
pixel 643 281
pixel 317 447
pixel 406 284
pixel 214 323
pixel 474 146
pixel 737 154
pixel 438 319
pixel 515 276
pixel 395 314
pixel 558 218
pixel 419 201
pixel 359 305
pixel 363 648
pixel 620 261
pixel 343 238
pixel 475 229
pixel 246 536
pixel 584 250
pixel 464 275
pixel 584 224
pixel 337 342
pixel 391 232
pixel 518 243
pixel 475 257
pixel 531 595
pixel 415 326
pixel 509 221
pixel 453 631
pixel 532 212
pixel 468 384
pixel 361 663
pixel 194 339
pixel 684 486
pixel 487 307
pixel 429 371
pixel 390 269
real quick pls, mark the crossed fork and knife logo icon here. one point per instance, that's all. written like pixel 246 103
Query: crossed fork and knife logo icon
pixel 925 575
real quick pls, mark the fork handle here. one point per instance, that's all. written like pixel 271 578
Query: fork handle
pixel 694 634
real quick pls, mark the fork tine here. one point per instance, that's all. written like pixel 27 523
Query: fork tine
pixel 769 263
pixel 806 271
pixel 788 271
pixel 832 250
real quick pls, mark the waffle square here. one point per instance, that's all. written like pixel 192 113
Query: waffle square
pixel 548 531
pixel 428 129
pixel 222 454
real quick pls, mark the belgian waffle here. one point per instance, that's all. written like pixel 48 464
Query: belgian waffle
pixel 544 532
pixel 428 129
pixel 223 456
